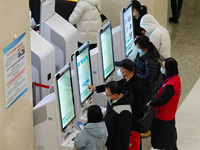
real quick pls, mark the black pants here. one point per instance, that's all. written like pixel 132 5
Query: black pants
pixel 176 6
pixel 91 45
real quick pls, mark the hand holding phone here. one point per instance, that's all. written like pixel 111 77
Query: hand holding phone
pixel 80 125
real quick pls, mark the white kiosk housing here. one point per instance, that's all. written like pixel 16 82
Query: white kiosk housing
pixel 59 32
pixel 118 47
pixel 118 44
pixel 43 60
pixel 35 78
pixel 54 116
pixel 103 62
pixel 82 75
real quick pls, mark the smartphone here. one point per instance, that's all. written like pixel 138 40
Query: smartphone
pixel 80 125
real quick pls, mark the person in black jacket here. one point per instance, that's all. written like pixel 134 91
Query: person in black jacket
pixel 118 116
pixel 130 82
pixel 146 66
pixel 138 12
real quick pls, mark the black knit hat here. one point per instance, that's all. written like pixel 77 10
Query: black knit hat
pixel 126 63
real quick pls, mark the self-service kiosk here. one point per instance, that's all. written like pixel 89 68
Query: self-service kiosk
pixel 54 115
pixel 43 63
pixel 59 32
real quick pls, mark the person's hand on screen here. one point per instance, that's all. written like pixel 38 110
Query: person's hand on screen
pixel 91 88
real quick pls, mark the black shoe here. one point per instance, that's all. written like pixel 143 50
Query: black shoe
pixel 173 19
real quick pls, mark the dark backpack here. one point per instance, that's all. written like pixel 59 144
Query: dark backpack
pixel 145 122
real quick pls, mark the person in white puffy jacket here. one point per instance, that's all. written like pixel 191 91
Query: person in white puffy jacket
pixel 157 34
pixel 87 19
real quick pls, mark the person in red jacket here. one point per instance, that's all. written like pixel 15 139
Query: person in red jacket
pixel 164 135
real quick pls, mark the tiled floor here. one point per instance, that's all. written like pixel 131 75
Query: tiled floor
pixel 185 38
pixel 188 121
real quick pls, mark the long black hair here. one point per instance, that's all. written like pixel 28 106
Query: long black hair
pixel 171 66
pixel 142 9
pixel 94 114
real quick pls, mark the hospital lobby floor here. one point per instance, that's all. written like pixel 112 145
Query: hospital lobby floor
pixel 185 48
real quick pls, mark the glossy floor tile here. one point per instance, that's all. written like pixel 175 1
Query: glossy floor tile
pixel 188 121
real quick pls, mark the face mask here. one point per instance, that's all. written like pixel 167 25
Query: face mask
pixel 134 13
pixel 162 70
pixel 119 73
pixel 140 51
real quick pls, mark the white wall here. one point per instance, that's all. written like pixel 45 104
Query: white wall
pixel 158 8
pixel 16 123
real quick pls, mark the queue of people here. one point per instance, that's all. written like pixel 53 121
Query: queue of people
pixel 127 96
pixel 130 82
pixel 121 116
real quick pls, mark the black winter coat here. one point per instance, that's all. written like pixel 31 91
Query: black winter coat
pixel 147 67
pixel 136 24
pixel 136 87
pixel 119 125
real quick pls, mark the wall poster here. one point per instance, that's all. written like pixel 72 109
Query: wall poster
pixel 15 69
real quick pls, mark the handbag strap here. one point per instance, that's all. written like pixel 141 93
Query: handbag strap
pixel 98 9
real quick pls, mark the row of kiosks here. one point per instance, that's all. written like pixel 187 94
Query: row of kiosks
pixel 52 48
pixel 59 39
pixel 113 45
pixel 56 116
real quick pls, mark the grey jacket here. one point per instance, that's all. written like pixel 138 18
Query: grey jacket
pixel 92 137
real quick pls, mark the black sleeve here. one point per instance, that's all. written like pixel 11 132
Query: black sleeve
pixel 166 95
pixel 100 88
pixel 125 121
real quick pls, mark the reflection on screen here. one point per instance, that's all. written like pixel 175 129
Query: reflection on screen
pixel 66 99
pixel 128 30
pixel 107 52
pixel 84 74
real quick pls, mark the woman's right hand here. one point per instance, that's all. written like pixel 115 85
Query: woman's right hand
pixel 91 88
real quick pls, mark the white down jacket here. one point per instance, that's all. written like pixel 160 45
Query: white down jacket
pixel 157 34
pixel 87 19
